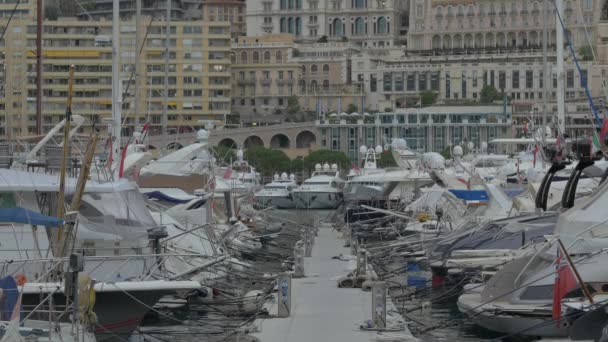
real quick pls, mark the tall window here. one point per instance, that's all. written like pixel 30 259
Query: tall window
pixel 359 26
pixel 583 78
pixel 298 31
pixel 279 57
pixel 283 4
pixel 267 57
pixel 529 79
pixel 515 79
pixel 382 25
pixel 283 25
pixel 256 57
pixel 244 58
pixel 291 27
pixel 338 29
pixel 298 4
pixel 325 68
pixel 359 3
pixel 464 85
pixel 448 88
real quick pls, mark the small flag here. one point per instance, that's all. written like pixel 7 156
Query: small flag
pixel 356 168
pixel 534 153
pixel 564 283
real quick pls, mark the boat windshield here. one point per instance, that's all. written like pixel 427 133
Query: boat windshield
pixel 491 163
pixel 316 183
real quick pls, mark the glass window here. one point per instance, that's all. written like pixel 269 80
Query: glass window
pixel 515 79
pixel 570 79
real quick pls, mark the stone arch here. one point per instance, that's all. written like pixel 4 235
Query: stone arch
pixel 490 43
pixel 313 69
pixel 256 57
pixel 522 39
pixel 326 68
pixel 305 139
pixel 253 141
pixel 279 57
pixel 457 43
pixel 479 41
pixel 468 41
pixel 511 39
pixel 436 42
pixel 244 57
pixel 280 141
pixel 447 42
pixel 501 40
pixel 227 142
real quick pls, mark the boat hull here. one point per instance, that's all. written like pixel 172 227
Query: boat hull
pixel 317 200
pixel 528 323
pixel 280 202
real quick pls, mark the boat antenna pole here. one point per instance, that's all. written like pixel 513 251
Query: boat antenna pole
pixel 64 160
pixel 116 86
pixel 578 276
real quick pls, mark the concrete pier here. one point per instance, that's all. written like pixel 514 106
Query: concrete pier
pixel 320 310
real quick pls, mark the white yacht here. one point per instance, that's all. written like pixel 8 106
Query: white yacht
pixel 321 191
pixel 243 177
pixel 277 193
pixel 359 186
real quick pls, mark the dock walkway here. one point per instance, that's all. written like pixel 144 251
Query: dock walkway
pixel 320 310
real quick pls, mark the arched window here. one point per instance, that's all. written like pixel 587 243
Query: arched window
pixel 313 85
pixel 313 69
pixel 298 26
pixel 279 57
pixel 338 31
pixel 267 57
pixel 244 59
pixel 382 25
pixel 290 24
pixel 256 57
pixel 283 25
pixel 326 85
pixel 283 4
pixel 325 68
pixel 359 26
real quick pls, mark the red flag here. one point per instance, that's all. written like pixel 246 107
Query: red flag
pixel 123 155
pixel 604 131
pixel 356 168
pixel 534 153
pixel 228 173
pixel 564 283
pixel 110 156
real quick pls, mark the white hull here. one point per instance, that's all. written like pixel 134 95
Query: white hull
pixel 317 200
pixel 358 192
pixel 281 202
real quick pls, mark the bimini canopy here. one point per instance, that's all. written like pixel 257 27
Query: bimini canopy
pixel 25 216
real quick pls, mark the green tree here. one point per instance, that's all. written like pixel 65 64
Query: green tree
pixel 428 97
pixel 489 94
pixel 327 156
pixel 386 160
pixel 323 39
pixel 447 152
pixel 51 12
pixel 586 53
pixel 267 161
pixel 293 105
pixel 351 108
pixel 224 154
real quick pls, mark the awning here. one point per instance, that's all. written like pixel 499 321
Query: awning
pixel 21 215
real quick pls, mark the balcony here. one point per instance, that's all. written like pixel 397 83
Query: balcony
pixel 288 82
pixel 312 24
pixel 265 81
pixel 267 25
pixel 247 81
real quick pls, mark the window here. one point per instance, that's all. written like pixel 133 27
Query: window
pixel 337 28
pixel 267 57
pixel 244 57
pixel 529 79
pixel 474 79
pixel 373 83
pixel 419 11
pixel 570 79
pixel 326 69
pixel 256 57
pixel 502 80
pixel 447 86
pixel 359 26
pixel 283 25
pixel 279 57
pixel 515 79
pixel 382 25
pixel 359 3
pixel 583 78
pixel 388 81
pixel 313 69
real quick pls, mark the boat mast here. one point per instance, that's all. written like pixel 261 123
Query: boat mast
pixel 116 95
pixel 166 90
pixel 559 42
pixel 39 67
pixel 545 66
pixel 138 45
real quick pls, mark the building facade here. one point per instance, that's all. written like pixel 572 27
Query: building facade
pixel 233 11
pixel 264 76
pixel 489 24
pixel 368 23
pixel 198 74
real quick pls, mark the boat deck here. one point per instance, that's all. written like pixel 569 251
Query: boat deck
pixel 320 310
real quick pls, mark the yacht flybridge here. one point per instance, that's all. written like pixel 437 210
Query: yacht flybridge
pixel 323 190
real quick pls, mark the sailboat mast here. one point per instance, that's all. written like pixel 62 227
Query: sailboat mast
pixel 166 88
pixel 559 42
pixel 546 69
pixel 116 95
pixel 137 57
pixel 39 67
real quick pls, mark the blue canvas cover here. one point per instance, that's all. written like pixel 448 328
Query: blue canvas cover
pixel 471 195
pixel 9 297
pixel 22 215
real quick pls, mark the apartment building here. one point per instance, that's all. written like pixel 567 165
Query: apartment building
pixel 263 76
pixel 232 11
pixel 198 73
pixel 368 23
